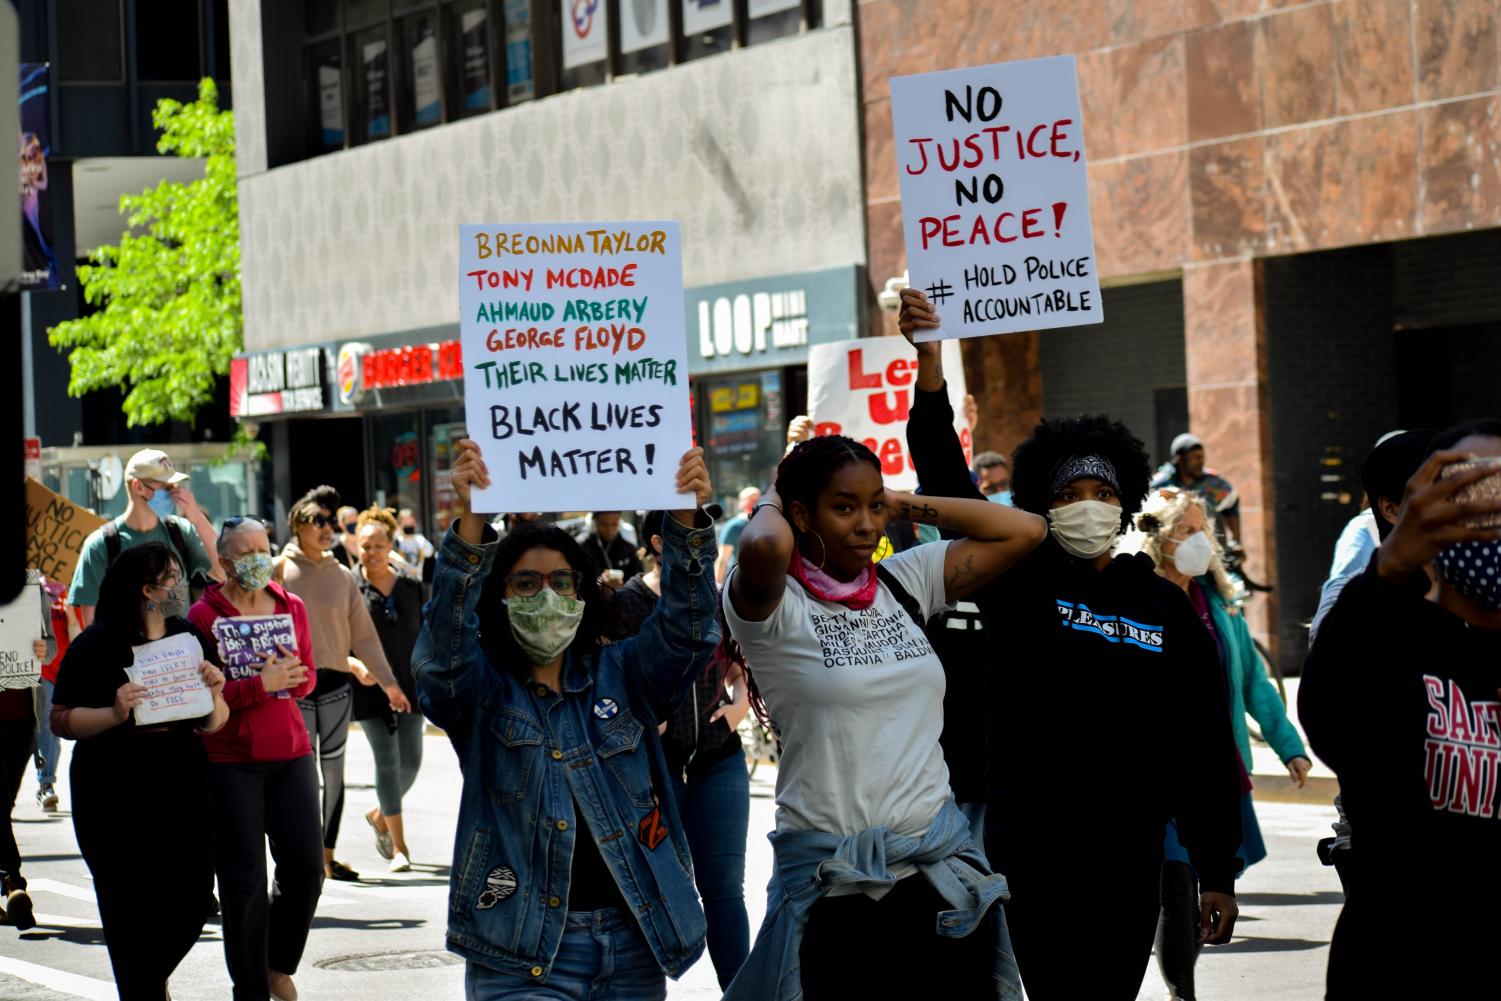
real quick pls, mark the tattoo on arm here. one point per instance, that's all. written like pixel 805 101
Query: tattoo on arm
pixel 925 513
pixel 963 574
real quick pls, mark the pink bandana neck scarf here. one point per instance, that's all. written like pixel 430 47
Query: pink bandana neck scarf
pixel 855 595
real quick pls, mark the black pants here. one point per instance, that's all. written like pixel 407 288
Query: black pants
pixel 1082 938
pixel 15 754
pixel 143 819
pixel 252 802
pixel 854 946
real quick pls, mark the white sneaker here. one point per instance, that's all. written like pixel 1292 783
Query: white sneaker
pixel 400 863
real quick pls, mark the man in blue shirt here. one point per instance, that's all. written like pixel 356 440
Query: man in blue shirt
pixel 729 536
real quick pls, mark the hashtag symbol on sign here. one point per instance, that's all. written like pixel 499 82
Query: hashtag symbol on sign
pixel 939 292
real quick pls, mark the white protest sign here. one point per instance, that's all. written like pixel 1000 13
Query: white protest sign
pixel 575 364
pixel 863 389
pixel 20 628
pixel 995 197
pixel 168 668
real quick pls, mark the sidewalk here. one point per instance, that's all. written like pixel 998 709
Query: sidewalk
pixel 1269 779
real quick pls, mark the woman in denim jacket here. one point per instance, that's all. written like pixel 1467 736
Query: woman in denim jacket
pixel 570 865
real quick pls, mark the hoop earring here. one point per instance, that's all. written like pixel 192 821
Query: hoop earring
pixel 823 550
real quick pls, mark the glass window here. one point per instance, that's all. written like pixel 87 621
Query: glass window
pixel 743 420
pixel 372 94
pixel 585 32
pixel 422 92
pixel 445 428
pixel 708 27
pixel 470 68
pixel 320 16
pixel 396 453
pixel 325 95
pixel 520 76
pixel 644 31
pixel 168 40
pixel 358 13
pixel 89 51
pixel 221 40
pixel 772 19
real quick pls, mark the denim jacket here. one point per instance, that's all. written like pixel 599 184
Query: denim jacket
pixel 809 864
pixel 528 755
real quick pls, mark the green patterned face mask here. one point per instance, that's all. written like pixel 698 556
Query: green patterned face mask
pixel 544 623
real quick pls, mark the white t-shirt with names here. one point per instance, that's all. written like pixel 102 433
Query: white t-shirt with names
pixel 858 698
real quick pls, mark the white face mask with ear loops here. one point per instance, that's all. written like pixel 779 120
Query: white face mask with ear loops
pixel 1193 555
pixel 1085 528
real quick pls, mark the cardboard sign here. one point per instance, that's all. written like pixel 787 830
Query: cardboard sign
pixel 55 530
pixel 863 389
pixel 168 668
pixel 575 364
pixel 244 641
pixel 995 197
pixel 20 628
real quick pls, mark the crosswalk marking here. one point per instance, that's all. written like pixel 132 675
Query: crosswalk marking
pixel 58 980
pixel 44 885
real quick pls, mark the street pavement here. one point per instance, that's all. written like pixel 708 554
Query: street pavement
pixel 383 938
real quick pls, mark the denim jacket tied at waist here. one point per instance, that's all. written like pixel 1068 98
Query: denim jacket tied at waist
pixel 542 769
pixel 809 864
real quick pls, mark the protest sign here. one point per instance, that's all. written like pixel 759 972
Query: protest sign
pixel 244 641
pixel 168 668
pixel 995 197
pixel 863 389
pixel 55 530
pixel 575 364
pixel 20 628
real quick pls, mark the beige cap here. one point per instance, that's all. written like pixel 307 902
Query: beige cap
pixel 153 464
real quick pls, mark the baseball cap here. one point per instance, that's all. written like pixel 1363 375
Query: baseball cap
pixel 153 464
pixel 1184 442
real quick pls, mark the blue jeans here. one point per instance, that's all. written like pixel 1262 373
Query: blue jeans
pixel 48 746
pixel 715 810
pixel 602 958
pixel 397 757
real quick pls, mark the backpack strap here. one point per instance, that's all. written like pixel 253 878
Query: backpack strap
pixel 180 544
pixel 903 598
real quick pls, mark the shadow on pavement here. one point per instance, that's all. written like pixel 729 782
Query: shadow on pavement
pixel 370 924
pixel 1270 945
pixel 1319 898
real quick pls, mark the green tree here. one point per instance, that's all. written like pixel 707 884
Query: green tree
pixel 169 294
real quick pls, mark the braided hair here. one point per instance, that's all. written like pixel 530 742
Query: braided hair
pixel 803 474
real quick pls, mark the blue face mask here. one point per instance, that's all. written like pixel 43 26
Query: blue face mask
pixel 161 503
pixel 1004 497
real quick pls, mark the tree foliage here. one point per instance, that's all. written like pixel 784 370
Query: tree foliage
pixel 169 294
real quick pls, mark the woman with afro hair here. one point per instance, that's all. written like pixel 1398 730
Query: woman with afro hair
pixel 1093 643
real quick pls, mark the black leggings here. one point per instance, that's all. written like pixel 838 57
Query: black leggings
pixel 16 737
pixel 254 802
pixel 326 713
pixel 854 946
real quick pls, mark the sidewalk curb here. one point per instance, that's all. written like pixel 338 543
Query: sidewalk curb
pixel 1318 790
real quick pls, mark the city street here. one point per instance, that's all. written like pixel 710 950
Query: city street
pixel 383 938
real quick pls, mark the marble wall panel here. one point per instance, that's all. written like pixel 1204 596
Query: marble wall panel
pixel 1151 214
pixel 1374 53
pixel 1224 86
pixel 1379 177
pixel 1220 340
pixel 1297 58
pixel 1227 185
pixel 1304 188
pixel 1461 165
pixel 1149 87
pixel 1457 46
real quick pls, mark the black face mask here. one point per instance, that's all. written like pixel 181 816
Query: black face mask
pixel 351 527
pixel 409 530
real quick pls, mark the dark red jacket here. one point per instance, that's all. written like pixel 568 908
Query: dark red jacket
pixel 261 727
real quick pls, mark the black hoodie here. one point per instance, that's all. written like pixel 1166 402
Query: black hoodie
pixel 1107 713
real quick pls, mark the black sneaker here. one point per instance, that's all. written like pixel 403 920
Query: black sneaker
pixel 18 910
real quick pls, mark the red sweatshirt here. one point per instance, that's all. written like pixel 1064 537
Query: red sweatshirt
pixel 261 727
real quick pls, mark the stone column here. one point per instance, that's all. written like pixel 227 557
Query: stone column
pixel 1224 337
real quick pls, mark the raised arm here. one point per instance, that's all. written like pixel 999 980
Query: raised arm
pixel 679 637
pixel 937 455
pixel 448 665
pixel 760 575
pixel 995 536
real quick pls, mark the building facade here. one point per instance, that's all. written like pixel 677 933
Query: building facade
pixel 369 130
pixel 1295 215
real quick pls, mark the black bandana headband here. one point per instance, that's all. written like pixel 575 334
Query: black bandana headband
pixel 1085 466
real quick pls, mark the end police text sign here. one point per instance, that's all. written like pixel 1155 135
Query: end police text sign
pixel 995 197
pixel 575 364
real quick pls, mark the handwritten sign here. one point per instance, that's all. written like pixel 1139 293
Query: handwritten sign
pixel 575 364
pixel 55 530
pixel 995 196
pixel 863 389
pixel 168 669
pixel 20 628
pixel 244 641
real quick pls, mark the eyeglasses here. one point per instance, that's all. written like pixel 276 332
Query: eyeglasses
pixel 528 582
pixel 322 521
